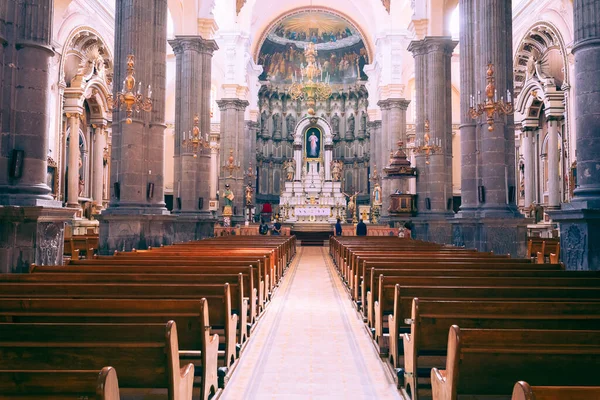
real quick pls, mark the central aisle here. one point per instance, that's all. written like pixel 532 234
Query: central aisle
pixel 310 344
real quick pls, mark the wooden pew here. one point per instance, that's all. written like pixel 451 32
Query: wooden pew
pixel 430 320
pixel 240 303
pixel 146 355
pixel 192 316
pixel 372 270
pixel 540 248
pixel 404 295
pixel 253 288
pixel 489 361
pixel 383 303
pixel 51 383
pixel 523 391
pixel 218 296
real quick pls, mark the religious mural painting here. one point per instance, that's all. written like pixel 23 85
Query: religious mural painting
pixel 313 143
pixel 341 50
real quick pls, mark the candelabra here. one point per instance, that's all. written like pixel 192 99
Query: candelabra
pixel 194 140
pixel 231 166
pixel 250 175
pixel 374 175
pixel 491 106
pixel 127 98
pixel 312 85
pixel 427 147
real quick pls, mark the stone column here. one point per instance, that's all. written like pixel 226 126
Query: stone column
pixel 393 130
pixel 136 216
pixel 580 220
pixel 99 145
pixel 489 219
pixel 328 159
pixel 232 139
pixel 529 164
pixel 298 159
pixel 433 77
pixel 214 167
pixel 31 221
pixel 25 35
pixel 73 195
pixel 192 92
pixel 553 165
pixel 468 128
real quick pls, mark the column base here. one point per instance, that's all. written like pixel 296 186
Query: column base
pixel 500 235
pixel 127 232
pixel 190 227
pixel 31 235
pixel 434 227
pixel 579 236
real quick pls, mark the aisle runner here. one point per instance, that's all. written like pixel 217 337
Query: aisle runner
pixel 310 343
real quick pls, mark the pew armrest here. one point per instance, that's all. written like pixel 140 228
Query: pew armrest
pixel 107 385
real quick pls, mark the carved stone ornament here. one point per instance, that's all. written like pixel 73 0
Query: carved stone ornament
pixel 49 245
pixel 240 3
pixel 574 243
pixel 386 4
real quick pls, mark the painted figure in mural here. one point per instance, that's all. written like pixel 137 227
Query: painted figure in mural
pixel 291 125
pixel 290 169
pixel 314 145
pixel 249 192
pixel 228 196
pixel 377 195
pixel 336 170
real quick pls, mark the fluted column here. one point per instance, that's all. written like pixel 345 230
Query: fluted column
pixel 31 221
pixel 25 57
pixel 497 164
pixel 73 196
pixel 138 147
pixel 553 165
pixel 587 98
pixel 580 220
pixel 192 92
pixel 99 145
pixel 529 164
pixel 233 142
pixel 433 77
pixel 468 128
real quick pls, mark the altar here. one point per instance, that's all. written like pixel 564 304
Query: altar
pixel 311 194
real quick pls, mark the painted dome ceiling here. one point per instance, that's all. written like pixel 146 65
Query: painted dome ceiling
pixel 341 50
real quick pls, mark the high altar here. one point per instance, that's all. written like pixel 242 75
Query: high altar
pixel 310 195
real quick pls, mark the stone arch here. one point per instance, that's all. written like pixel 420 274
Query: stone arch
pixel 544 43
pixel 306 123
pixel 257 45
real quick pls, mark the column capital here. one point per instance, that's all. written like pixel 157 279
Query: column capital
pixel 73 114
pixel 238 104
pixel 388 104
pixel 417 48
pixel 441 44
pixel 198 44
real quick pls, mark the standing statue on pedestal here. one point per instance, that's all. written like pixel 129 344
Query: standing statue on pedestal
pixel 376 199
pixel 335 125
pixel 290 122
pixel 351 126
pixel 290 169
pixel 336 170
pixel 228 197
pixel 249 192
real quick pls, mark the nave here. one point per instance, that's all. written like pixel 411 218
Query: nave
pixel 310 343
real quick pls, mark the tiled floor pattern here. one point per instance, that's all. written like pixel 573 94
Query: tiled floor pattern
pixel 310 344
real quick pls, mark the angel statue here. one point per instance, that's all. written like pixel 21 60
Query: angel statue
pixel 336 170
pixel 290 170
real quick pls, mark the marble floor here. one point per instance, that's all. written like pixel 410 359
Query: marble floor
pixel 310 343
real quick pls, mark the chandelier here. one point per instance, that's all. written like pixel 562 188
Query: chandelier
pixel 491 107
pixel 128 99
pixel 312 85
pixel 427 147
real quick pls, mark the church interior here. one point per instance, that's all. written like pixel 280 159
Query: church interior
pixel 407 175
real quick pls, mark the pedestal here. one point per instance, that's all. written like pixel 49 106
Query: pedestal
pixel 31 235
pixel 579 237
pixel 502 236
pixel 127 232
